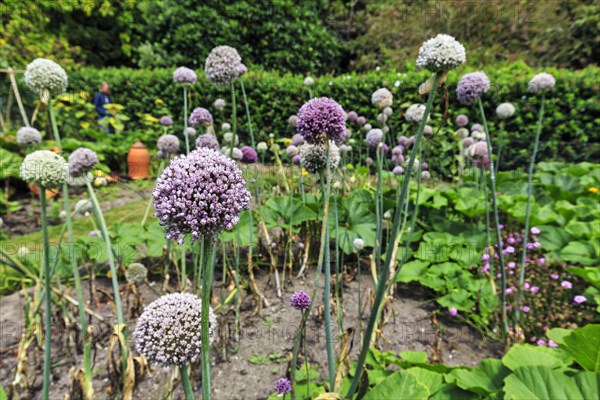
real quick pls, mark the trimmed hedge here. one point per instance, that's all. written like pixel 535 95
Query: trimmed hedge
pixel 571 126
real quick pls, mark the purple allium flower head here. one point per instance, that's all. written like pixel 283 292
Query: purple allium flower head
pixel 383 148
pixel 201 193
pixel 201 116
pixel 361 120
pixel 168 144
pixel 209 141
pixel 313 157
pixel 168 331
pixel 283 386
pixel 579 299
pixel 352 116
pixel 479 154
pixel 566 285
pixel 526 286
pixel 453 312
pixel 535 230
pixel 415 113
pixel 477 128
pixel 82 160
pixel 471 86
pixel 540 82
pixel 222 66
pixel 297 139
pixel 462 120
pixel 293 120
pixel 467 142
pixel 165 120
pixel 300 300
pixel 374 137
pixel 28 136
pixel 184 75
pixel 320 119
pixel 296 160
pixel 398 170
pixel 249 155
pixel 291 150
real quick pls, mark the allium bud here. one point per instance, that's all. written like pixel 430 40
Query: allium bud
pixel 136 273
pixel 358 244
pixel 300 300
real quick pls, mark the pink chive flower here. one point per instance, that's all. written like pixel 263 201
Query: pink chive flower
pixel 554 276
pixel 485 257
pixel 526 285
pixel 511 265
pixel 534 289
pixel 525 309
pixel 453 312
pixel 541 261
pixel 498 275
pixel 566 285
pixel 541 342
pixel 508 250
pixel 551 343
pixel 511 239
pixel 535 231
pixel 511 272
pixel 579 299
pixel 486 267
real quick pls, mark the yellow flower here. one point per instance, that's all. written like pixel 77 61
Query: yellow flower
pixel 593 190
pixel 287 142
pixel 159 102
pixel 304 172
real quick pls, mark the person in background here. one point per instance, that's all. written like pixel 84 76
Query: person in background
pixel 102 98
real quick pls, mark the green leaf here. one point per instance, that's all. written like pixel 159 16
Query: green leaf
pixel 591 275
pixel 544 383
pixel 432 380
pixel 240 233
pixel 355 220
pixel 580 253
pixel 414 357
pixel 584 346
pixel 486 378
pixel 558 334
pixel 399 385
pixel 411 271
pixel 529 355
pixel 452 392
pixel 286 212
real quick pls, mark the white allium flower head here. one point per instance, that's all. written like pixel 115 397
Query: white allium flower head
pixel 441 53
pixel 28 136
pixel 358 244
pixel 236 153
pixel 43 75
pixel 478 135
pixel 382 98
pixel 44 168
pixel 226 126
pixel 415 113
pixel 189 131
pixel 309 81
pixel 228 138
pixel 262 147
pixel 505 110
pixel 367 127
pixel 388 111
pixel 219 104
pixel 222 65
pixel 540 82
pixel 313 157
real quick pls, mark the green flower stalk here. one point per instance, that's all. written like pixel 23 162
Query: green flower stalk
pixel 247 114
pixel 185 120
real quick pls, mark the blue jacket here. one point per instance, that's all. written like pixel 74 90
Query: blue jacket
pixel 99 101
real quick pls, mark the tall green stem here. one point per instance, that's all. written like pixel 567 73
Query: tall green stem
pixel 185 119
pixel 381 286
pixel 247 113
pixel 233 119
pixel 528 210
pixel 185 382
pixel 48 297
pixel 296 349
pixel 500 145
pixel 207 279
pixel 496 216
pixel 54 126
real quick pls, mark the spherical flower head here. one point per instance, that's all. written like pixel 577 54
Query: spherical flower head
pixel 27 136
pixel 425 175
pixel 308 81
pixel 477 128
pixel 361 120
pixel 168 144
pixel 352 116
pixel 358 244
pixel 535 230
pixel 505 110
pixel 441 53
pixel 313 157
pixel 291 151
pixel 381 118
pixel 189 131
pixel 296 160
pixel 249 155
pixel 225 126
pixel 168 332
pixel 235 153
pixel 200 116
pixel 300 300
pixel 462 133
pixel 44 76
pixel 382 98
pixel 241 69
pixel 388 111
pixel 229 137
pixel 398 170
pixel 462 120
pixel 282 386
pixel 200 194
pixel 297 139
pixel 222 66
pixel 83 206
pixel 540 82
pixel 478 135
pixel 209 141
pixel 579 299
pixel 166 120
pixel 478 151
pixel 453 312
pixel 321 118
pixel 471 86
pixel 374 137
pixel 82 160
pixel 219 104
pixel 415 113
pixel 44 168
pixel 262 147
pixel 136 273
pixel 293 120
pixel 566 285
pixel 185 75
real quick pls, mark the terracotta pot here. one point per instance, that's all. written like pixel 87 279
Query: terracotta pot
pixel 50 193
pixel 138 161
